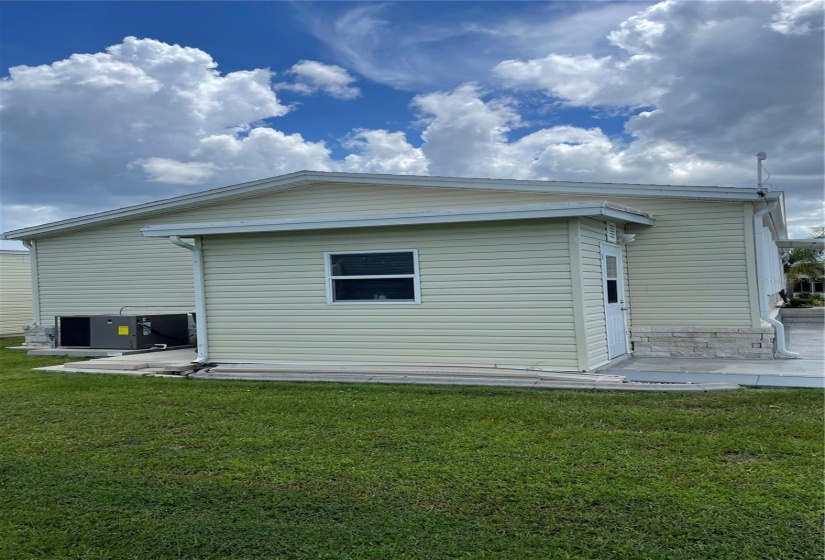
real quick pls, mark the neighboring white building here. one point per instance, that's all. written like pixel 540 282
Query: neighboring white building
pixel 15 292
pixel 357 268
pixel 811 285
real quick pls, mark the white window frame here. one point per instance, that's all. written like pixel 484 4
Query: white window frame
pixel 330 278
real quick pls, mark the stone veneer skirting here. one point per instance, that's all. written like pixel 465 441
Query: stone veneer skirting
pixel 702 342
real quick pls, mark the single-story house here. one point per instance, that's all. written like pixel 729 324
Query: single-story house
pixel 387 269
pixel 15 292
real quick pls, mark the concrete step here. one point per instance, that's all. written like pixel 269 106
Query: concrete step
pixel 802 316
pixel 96 352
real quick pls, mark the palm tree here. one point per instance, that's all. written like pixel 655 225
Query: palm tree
pixel 806 263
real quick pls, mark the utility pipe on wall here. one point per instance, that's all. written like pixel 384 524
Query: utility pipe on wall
pixel 200 299
pixel 32 247
pixel 778 327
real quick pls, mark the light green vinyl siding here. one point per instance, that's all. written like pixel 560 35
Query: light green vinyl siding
pixel 687 269
pixel 490 296
pixel 592 233
pixel 15 293
pixel 103 268
pixel 98 271
pixel 690 268
pixel 340 200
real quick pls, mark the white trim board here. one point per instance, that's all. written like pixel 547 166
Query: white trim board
pixel 816 243
pixel 303 178
pixel 498 213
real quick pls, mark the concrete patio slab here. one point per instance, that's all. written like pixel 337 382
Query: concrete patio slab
pixel 635 374
pixel 806 371
pixel 178 364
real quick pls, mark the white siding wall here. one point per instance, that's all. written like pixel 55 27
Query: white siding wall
pixel 15 293
pixel 98 271
pixel 490 295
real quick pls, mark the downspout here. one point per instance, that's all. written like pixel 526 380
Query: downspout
pixel 32 247
pixel 200 298
pixel 778 327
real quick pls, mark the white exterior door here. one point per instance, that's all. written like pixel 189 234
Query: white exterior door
pixel 614 298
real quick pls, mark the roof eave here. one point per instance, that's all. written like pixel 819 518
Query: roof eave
pixel 814 243
pixel 533 211
pixel 182 202
pixel 302 178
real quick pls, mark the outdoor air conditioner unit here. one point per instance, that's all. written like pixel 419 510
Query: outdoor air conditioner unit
pixel 122 332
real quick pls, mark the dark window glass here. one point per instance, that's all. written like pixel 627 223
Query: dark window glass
pixel 372 264
pixel 612 291
pixel 374 289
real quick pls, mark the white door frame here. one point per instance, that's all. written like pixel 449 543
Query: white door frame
pixel 614 296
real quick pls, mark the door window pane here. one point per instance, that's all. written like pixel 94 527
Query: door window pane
pixel 612 266
pixel 612 291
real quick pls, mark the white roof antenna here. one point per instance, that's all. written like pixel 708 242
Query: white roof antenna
pixel 760 188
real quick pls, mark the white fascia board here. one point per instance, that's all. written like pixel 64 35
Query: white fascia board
pixel 801 243
pixel 779 212
pixel 558 187
pixel 500 213
pixel 302 178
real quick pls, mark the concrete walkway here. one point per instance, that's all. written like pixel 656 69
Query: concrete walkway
pixel 808 370
pixel 442 375
pixel 160 362
pixel 635 374
pixel 178 364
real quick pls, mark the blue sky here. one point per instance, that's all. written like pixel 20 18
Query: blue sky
pixel 244 35
pixel 116 103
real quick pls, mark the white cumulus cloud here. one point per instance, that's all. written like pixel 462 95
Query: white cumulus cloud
pixel 587 81
pixel 466 136
pixel 312 77
pixel 164 170
pixel 99 121
pixel 381 151
pixel 721 80
pixel 263 152
pixel 798 17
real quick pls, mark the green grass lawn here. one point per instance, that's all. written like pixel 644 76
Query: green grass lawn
pixel 99 466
